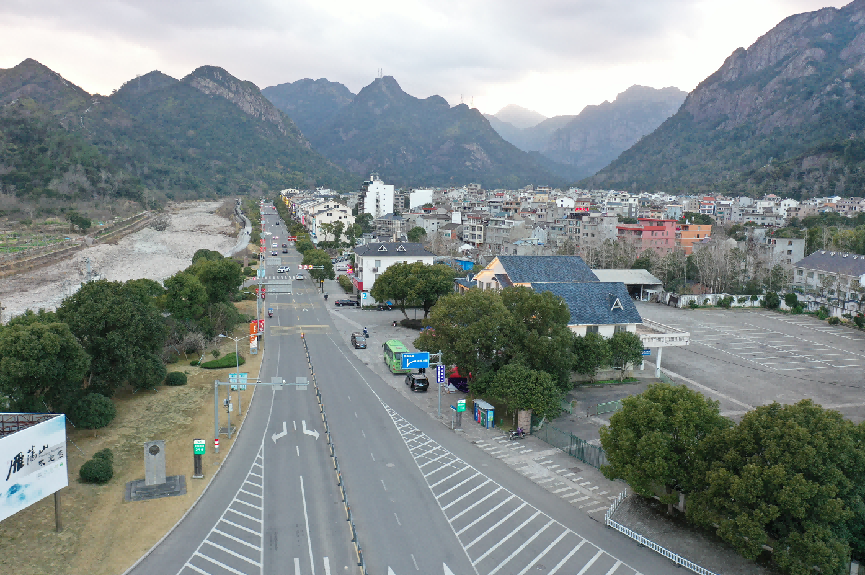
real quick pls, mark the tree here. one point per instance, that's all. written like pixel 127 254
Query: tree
pixel 771 300
pixel 590 353
pixel 221 278
pixel 78 221
pixel 522 388
pixel 327 229
pixel 205 254
pixel 304 245
pixel 365 222
pixel 41 363
pixel 93 411
pixel 473 330
pixel 353 232
pixel 625 348
pixel 653 442
pixel 695 218
pixel 791 299
pixel 186 297
pixel 30 317
pixel 319 258
pixel 416 234
pixel 338 229
pixel 117 328
pixel 791 474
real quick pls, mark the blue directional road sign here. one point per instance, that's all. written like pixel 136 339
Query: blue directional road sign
pixel 415 360
pixel 647 351
pixel 440 374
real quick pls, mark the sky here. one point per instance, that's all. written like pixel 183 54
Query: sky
pixel 551 56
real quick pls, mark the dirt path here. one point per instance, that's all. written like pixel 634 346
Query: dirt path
pixel 144 254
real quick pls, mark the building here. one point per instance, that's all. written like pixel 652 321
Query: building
pixel 505 271
pixel 639 283
pixel 657 235
pixel 372 259
pixel 835 274
pixel 604 308
pixel 331 213
pixel 390 227
pixel 688 234
pixel 376 197
pixel 785 251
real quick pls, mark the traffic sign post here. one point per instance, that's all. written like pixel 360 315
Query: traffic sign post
pixel 461 407
pixel 198 449
pixel 415 360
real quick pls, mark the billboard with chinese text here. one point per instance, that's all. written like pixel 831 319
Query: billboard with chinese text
pixel 33 464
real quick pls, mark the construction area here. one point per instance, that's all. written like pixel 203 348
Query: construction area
pixel 143 252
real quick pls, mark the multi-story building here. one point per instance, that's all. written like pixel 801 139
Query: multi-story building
pixel 390 227
pixel 836 274
pixel 784 251
pixel 331 213
pixel 657 235
pixel 372 259
pixel 474 224
pixel 688 234
pixel 377 198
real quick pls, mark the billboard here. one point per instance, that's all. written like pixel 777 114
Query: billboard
pixel 34 460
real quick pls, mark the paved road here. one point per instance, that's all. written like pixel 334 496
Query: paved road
pixel 423 499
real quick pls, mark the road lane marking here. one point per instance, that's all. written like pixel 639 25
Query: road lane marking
pixel 498 523
pixel 478 502
pixel 567 557
pixel 306 520
pixel 297 449
pixel 397 519
pixel 544 552
pixel 326 566
pixel 464 495
pixel 296 566
pixel 590 563
pixel 523 546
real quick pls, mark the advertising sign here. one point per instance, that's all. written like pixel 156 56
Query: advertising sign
pixel 253 327
pixel 35 463
pixel 253 342
pixel 261 326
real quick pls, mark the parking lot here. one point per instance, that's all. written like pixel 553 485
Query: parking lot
pixel 747 358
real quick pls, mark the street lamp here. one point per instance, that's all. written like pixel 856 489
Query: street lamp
pixel 236 374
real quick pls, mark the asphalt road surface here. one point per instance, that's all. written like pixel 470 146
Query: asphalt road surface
pixel 422 499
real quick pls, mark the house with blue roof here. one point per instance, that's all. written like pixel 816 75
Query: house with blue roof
pixel 596 307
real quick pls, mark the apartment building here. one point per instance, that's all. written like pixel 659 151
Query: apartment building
pixel 376 198
pixel 657 235
pixel 836 274
pixel 689 234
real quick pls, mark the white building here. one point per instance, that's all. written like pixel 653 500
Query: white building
pixel 376 197
pixel 372 259
pixel 419 198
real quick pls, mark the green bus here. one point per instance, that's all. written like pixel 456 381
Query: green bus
pixel 393 350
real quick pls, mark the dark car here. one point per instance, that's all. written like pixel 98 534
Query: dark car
pixel 358 341
pixel 285 245
pixel 277 222
pixel 349 302
pixel 417 381
pixel 273 253
pixel 285 250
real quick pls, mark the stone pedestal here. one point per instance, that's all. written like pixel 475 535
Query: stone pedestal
pixel 154 462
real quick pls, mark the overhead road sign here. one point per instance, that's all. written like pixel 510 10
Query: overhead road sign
pixel 415 360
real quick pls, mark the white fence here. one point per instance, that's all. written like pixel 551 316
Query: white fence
pixel 675 558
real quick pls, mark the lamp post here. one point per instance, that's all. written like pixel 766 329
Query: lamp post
pixel 237 375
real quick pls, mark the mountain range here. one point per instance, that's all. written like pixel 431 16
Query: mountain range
pixel 786 115
pixel 578 146
pixel 155 138
pixel 409 141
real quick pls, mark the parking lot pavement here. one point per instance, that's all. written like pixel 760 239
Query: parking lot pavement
pixel 749 357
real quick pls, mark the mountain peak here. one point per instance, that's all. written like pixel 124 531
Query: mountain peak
pixel 213 80
pixel 145 84
pixel 32 79
pixel 520 117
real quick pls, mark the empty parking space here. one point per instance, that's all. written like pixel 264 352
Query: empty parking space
pixel 755 357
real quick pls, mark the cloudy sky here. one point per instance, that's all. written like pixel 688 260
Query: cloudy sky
pixel 553 56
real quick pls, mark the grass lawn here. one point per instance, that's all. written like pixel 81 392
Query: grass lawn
pixel 102 534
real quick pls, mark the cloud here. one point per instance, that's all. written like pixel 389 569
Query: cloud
pixel 554 56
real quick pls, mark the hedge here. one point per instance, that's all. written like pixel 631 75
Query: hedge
pixel 93 411
pixel 223 362
pixel 97 470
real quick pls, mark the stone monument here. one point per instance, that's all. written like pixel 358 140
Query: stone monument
pixel 155 484
pixel 154 462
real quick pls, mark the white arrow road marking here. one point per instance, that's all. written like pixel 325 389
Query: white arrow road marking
pixel 447 569
pixel 390 571
pixel 314 432
pixel 276 436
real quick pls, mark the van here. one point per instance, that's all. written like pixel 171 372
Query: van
pixel 341 267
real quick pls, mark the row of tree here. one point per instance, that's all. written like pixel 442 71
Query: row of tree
pixel 111 334
pixel 786 476
pixel 487 334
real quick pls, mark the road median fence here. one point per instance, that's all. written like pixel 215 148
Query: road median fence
pixel 643 542
pixel 572 445
pixel 335 460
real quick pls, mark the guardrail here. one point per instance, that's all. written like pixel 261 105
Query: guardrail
pixel 674 557
pixel 332 450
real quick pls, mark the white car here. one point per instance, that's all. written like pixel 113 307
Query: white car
pixel 280 270
pixel 274 245
pixel 298 277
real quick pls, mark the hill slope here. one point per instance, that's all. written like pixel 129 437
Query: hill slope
pixel 422 142
pixel 309 103
pixel 154 138
pixel 786 115
pixel 595 137
pixel 519 117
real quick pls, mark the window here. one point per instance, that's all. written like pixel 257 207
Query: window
pixel 810 275
pixel 620 328
pixel 377 264
pixel 591 329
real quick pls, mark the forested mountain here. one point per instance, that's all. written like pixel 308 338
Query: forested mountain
pixel 309 103
pixel 787 115
pixel 532 139
pixel 595 137
pixel 410 141
pixel 155 138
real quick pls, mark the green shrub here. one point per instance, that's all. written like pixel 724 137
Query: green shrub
pixel 725 302
pixel 93 411
pixel 834 320
pixel 225 361
pixel 193 362
pixel 692 304
pixel 706 301
pixel 822 313
pixel 105 454
pixel 248 271
pixel 859 320
pixel 175 378
pixel 791 300
pixel 345 283
pixel 97 470
pixel 412 323
pixel 216 353
pixel 798 309
pixel 742 299
pixel 772 300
